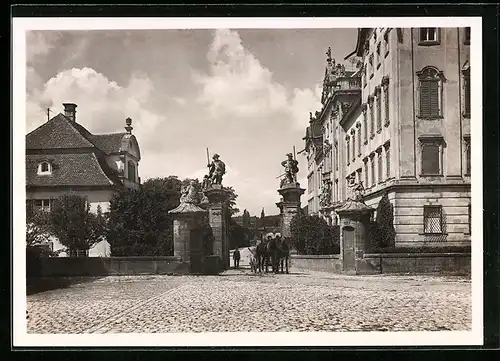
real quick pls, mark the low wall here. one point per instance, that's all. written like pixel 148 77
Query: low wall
pixel 101 266
pixel 396 263
pixel 420 263
pixel 323 263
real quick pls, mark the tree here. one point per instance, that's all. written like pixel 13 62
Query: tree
pixel 383 232
pixel 76 227
pixel 139 223
pixel 37 232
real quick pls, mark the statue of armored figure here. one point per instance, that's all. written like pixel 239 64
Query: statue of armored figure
pixel 217 169
pixel 291 170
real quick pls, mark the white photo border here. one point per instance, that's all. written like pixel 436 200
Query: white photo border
pixel 441 338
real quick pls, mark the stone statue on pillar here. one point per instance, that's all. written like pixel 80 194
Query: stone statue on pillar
pixel 291 170
pixel 217 169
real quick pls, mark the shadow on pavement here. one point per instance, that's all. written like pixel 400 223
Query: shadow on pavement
pixel 43 284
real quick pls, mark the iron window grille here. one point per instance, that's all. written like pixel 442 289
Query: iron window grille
pixel 433 220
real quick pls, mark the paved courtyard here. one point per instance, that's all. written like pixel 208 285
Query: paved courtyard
pixel 240 301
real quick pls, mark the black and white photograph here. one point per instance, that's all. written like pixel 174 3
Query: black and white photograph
pixel 247 182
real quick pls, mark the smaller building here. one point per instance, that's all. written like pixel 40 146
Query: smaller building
pixel 63 156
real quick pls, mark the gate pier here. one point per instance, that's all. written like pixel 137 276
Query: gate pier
pixel 355 218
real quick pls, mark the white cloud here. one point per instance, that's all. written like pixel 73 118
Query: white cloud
pixel 40 43
pixel 239 85
pixel 102 104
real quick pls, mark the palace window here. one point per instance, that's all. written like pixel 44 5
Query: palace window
pixel 386 42
pixel 467 99
pixel 360 175
pixel 372 159
pixel 467 36
pixel 467 156
pixel 365 161
pixel 372 119
pixel 429 36
pixel 433 219
pixel 364 75
pixel 378 55
pixel 359 139
pixel 431 155
pixel 131 171
pixel 372 69
pixel 348 149
pixel 365 124
pixel 44 168
pixel 336 189
pixel 310 183
pixel 379 165
pixel 430 93
pixel 385 84
pixel 337 157
pixel 379 111
pixel 353 146
pixel 388 160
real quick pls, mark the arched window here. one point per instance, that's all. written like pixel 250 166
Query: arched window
pixel 44 168
pixel 131 171
pixel 430 93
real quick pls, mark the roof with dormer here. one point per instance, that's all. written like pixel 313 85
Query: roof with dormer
pixel 77 157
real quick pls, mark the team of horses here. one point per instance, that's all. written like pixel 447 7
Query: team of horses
pixel 274 252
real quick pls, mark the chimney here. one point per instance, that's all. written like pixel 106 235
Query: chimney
pixel 70 111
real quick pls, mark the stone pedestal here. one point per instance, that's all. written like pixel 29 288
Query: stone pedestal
pixel 218 218
pixel 187 217
pixel 354 237
pixel 289 206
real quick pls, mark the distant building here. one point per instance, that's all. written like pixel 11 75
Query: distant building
pixel 406 132
pixel 62 156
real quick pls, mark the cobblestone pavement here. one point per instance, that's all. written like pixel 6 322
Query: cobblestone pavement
pixel 240 301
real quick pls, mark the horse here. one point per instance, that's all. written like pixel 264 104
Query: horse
pixel 283 254
pixel 253 259
pixel 262 256
pixel 273 252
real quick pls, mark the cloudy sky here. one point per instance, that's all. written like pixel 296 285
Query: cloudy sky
pixel 245 94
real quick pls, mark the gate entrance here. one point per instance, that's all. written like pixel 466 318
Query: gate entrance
pixel 348 254
pixel 196 250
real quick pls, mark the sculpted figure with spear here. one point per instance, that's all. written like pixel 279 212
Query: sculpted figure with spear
pixel 217 169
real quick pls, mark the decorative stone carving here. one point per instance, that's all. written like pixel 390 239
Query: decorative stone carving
pixel 385 81
pixel 327 146
pixel 345 106
pixel 326 194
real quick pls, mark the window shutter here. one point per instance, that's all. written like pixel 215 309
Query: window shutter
pixel 425 98
pixel 434 98
pixel 430 159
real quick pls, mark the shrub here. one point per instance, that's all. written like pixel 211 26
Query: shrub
pixel 139 223
pixel 313 236
pixel 382 230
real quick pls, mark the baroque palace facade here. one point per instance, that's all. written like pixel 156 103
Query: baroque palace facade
pixel 399 125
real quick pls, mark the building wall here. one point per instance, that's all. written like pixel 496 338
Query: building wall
pixel 95 198
pixel 451 190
